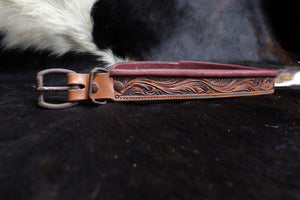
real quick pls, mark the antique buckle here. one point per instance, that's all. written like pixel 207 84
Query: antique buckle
pixel 41 89
pixel 92 73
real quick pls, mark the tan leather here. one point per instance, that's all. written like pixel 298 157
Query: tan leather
pixel 141 88
pixel 104 83
pixel 81 80
pixel 106 87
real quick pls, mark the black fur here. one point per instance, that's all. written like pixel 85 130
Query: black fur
pixel 176 30
pixel 187 30
pixel 132 27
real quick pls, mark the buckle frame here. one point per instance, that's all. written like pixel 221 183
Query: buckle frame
pixel 41 89
pixel 92 73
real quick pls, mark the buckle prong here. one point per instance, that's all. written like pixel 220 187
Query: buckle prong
pixel 41 89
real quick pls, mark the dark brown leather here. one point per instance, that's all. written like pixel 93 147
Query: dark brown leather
pixel 144 81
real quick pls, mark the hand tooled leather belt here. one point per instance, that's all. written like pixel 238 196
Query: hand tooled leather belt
pixel 146 81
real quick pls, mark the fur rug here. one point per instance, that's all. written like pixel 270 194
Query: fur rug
pixel 239 148
pixel 119 30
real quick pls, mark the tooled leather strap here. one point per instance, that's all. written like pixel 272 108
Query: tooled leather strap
pixel 145 81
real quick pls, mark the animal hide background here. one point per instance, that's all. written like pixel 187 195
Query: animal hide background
pixel 143 30
pixel 239 148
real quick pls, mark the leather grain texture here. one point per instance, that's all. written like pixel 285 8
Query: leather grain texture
pixel 148 81
pixel 188 69
pixel 143 88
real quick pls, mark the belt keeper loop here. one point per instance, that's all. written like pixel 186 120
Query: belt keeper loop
pixel 90 91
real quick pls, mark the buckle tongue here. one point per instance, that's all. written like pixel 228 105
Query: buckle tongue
pixel 41 89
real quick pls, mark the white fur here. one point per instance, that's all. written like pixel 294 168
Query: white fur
pixel 294 82
pixel 56 25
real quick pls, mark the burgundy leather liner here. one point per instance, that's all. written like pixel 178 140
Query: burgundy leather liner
pixel 188 69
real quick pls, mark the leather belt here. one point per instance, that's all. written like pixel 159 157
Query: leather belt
pixel 146 81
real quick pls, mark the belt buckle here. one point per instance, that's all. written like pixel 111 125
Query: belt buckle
pixel 41 89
